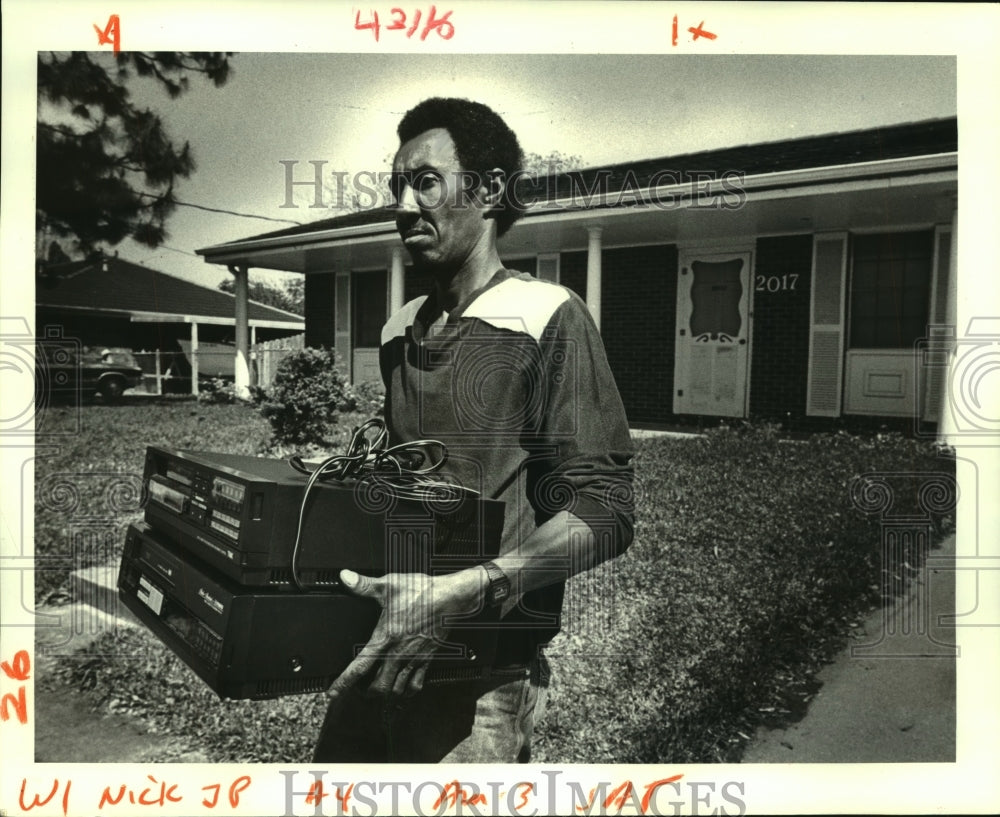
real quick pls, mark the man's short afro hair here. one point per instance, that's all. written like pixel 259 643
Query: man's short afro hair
pixel 482 142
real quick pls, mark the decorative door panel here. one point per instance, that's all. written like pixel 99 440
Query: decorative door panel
pixel 711 352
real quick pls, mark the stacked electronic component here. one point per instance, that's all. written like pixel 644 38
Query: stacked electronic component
pixel 236 567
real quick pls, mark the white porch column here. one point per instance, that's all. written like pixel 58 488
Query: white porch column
pixel 396 284
pixel 194 358
pixel 241 291
pixel 946 418
pixel 254 356
pixel 594 272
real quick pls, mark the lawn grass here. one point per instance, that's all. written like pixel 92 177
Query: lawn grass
pixel 88 471
pixel 750 562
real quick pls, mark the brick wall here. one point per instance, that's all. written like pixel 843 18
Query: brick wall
pixel 780 351
pixel 638 315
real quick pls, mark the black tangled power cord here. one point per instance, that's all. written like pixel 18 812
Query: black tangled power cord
pixel 402 470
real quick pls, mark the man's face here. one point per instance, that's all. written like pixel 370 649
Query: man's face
pixel 439 215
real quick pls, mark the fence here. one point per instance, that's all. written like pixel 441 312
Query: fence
pixel 164 372
pixel 265 357
pixel 167 372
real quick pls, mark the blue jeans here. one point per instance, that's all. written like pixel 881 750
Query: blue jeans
pixel 488 721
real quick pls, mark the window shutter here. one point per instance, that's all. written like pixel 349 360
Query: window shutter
pixel 826 325
pixel 342 320
pixel 933 364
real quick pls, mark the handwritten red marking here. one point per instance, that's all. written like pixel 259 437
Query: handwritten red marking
pixel 107 797
pixel 112 34
pixel 526 788
pixel 22 666
pixel 215 797
pixel 20 704
pixel 416 23
pixel 167 794
pixel 619 795
pixel 343 799
pixel 315 793
pixel 698 31
pixel 372 24
pixel 398 19
pixel 652 787
pixel 673 38
pixel 624 794
pixel 438 25
pixel 37 801
pixel 454 794
pixel 159 794
pixel 240 784
pixel 443 25
pixel 20 670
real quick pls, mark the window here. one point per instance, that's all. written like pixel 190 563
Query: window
pixel 890 289
pixel 369 289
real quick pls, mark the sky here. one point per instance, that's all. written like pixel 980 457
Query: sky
pixel 343 109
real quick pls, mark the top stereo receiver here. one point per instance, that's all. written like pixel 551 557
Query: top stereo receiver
pixel 241 515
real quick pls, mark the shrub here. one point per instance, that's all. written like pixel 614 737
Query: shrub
pixel 370 398
pixel 307 393
pixel 218 392
pixel 257 395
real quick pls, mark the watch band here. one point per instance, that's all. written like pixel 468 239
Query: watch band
pixel 498 589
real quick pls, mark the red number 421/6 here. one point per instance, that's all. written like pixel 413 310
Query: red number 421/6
pixel 442 25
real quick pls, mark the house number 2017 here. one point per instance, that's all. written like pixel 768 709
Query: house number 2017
pixel 777 283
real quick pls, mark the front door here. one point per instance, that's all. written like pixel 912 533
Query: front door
pixel 711 353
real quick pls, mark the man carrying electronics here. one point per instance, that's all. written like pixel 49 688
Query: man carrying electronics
pixel 510 373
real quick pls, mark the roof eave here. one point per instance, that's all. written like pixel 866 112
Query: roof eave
pixel 874 173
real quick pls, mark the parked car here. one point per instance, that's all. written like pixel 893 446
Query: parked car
pixel 68 369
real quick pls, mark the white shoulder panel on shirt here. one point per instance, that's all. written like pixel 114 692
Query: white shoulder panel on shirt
pixel 519 305
pixel 395 327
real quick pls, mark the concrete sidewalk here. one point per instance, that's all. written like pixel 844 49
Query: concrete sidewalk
pixel 70 728
pixel 889 697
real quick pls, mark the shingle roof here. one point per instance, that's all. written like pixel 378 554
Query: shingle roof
pixel 925 138
pixel 838 149
pixel 122 285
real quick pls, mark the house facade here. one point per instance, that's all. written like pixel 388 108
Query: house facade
pixel 795 281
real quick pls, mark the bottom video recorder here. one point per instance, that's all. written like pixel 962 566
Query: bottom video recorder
pixel 254 643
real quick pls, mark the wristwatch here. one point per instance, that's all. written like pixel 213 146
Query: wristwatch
pixel 498 590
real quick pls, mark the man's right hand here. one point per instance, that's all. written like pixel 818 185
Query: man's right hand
pixel 409 630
